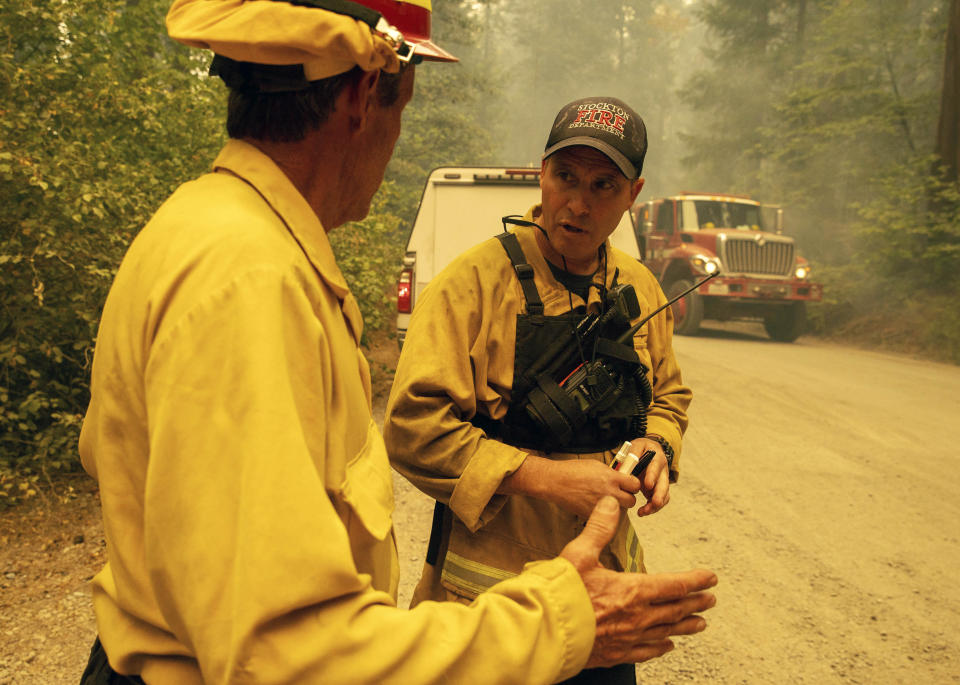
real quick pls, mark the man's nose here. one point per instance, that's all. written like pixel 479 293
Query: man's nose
pixel 577 203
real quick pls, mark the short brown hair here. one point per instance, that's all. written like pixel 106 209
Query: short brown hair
pixel 286 117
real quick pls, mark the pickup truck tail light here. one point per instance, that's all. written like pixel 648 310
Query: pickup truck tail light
pixel 405 291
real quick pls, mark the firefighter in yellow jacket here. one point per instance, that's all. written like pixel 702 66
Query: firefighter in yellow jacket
pixel 246 491
pixel 480 420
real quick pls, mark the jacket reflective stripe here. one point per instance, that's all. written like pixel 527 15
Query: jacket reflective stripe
pixel 471 575
pixel 633 549
pixel 475 577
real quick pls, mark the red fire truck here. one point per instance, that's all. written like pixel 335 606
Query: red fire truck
pixel 690 235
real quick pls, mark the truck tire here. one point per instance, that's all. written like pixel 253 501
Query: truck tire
pixel 688 311
pixel 787 323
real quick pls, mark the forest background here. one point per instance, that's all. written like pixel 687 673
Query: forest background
pixel 846 112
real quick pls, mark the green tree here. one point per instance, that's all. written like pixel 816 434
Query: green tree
pixel 101 117
pixel 948 128
pixel 440 127
pixel 752 45
pixel 829 107
pixel 860 103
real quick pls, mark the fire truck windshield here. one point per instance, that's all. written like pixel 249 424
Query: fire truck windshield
pixel 723 214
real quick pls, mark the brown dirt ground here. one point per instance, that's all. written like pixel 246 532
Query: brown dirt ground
pixel 50 547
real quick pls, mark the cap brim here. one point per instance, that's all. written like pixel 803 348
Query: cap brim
pixel 430 51
pixel 622 163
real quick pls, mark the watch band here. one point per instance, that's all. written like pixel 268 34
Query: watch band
pixel 667 449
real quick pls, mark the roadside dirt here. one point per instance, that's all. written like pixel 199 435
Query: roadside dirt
pixel 819 482
pixel 50 548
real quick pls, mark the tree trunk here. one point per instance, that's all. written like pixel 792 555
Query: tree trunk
pixel 801 28
pixel 948 131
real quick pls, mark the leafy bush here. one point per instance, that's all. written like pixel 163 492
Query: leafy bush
pixel 900 289
pixel 368 253
pixel 101 117
pixel 911 227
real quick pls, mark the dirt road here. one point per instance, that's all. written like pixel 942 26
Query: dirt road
pixel 820 482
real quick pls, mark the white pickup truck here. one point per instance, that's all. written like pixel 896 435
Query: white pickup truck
pixel 462 206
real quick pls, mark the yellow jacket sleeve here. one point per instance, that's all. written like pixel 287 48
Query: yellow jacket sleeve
pixel 667 414
pixel 446 373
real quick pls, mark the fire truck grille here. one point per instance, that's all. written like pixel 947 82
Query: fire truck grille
pixel 748 256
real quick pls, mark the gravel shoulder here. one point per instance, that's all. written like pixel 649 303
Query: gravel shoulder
pixel 50 548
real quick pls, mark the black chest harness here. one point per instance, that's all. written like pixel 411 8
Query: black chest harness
pixel 578 384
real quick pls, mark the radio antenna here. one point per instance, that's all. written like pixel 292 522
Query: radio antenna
pixel 636 327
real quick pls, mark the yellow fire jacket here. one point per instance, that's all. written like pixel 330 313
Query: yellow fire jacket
pixel 458 360
pixel 246 491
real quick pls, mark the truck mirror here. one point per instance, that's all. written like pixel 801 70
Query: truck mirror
pixel 779 220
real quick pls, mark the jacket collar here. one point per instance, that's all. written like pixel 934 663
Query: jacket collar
pixel 258 170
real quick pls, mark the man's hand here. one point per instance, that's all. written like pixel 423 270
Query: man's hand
pixel 636 613
pixel 656 477
pixel 572 484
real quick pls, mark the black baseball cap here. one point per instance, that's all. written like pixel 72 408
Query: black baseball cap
pixel 605 124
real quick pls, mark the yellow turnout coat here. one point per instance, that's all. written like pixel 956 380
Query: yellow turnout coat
pixel 246 491
pixel 458 361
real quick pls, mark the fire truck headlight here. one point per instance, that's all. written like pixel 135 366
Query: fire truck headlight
pixel 705 265
pixel 802 272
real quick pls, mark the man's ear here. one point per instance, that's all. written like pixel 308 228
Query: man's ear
pixel 635 188
pixel 361 98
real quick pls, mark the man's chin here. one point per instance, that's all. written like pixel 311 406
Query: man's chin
pixel 356 214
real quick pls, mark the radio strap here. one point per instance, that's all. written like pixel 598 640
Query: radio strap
pixel 524 272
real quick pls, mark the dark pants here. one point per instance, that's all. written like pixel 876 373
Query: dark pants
pixel 99 672
pixel 624 674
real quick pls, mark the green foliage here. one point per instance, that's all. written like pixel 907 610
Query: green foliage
pixel 368 253
pixel 941 333
pixel 441 127
pixel 752 46
pixel 804 100
pixel 796 101
pixel 101 117
pixel 442 124
pixel 900 289
pixel 544 56
pixel 910 229
pixel 910 234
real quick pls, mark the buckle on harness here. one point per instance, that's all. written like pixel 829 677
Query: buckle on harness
pixel 524 271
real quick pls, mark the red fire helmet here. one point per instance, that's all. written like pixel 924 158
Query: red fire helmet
pixel 412 19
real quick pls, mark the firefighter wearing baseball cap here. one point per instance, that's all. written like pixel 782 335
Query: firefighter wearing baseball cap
pixel 516 478
pixel 246 492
